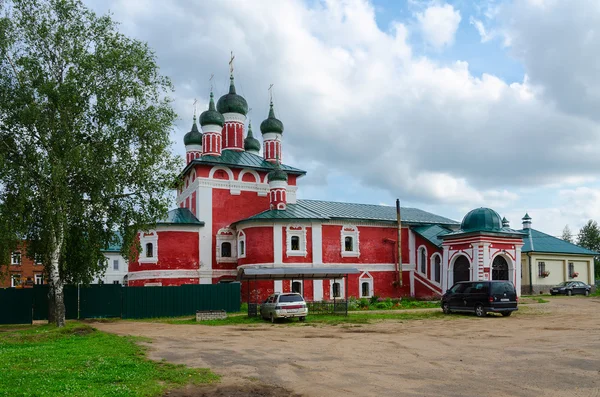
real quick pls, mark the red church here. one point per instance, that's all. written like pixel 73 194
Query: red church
pixel 237 209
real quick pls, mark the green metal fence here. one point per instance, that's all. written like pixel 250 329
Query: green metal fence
pixel 21 306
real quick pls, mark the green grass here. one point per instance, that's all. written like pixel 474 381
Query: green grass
pixel 77 360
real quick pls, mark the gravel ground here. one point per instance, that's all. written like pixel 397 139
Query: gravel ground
pixel 550 349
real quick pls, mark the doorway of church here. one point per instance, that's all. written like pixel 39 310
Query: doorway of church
pixel 461 269
pixel 499 269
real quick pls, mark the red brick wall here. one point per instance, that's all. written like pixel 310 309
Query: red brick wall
pixel 176 250
pixel 376 245
pixel 259 245
pixel 27 270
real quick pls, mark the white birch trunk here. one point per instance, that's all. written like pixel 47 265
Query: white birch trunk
pixel 56 284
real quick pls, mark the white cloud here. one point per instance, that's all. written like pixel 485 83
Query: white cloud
pixel 481 29
pixel 438 24
pixel 357 100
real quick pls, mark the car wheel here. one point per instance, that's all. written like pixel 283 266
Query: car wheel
pixel 301 318
pixel 480 311
pixel 272 317
pixel 446 308
pixel 587 293
pixel 569 292
pixel 506 314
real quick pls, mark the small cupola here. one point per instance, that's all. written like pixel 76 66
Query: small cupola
pixel 193 142
pixel 481 220
pixel 526 222
pixel 251 144
pixel 505 222
pixel 272 130
pixel 232 102
pixel 212 123
pixel 211 116
pixel 278 188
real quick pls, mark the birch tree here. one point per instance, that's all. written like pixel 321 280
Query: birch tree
pixel 85 120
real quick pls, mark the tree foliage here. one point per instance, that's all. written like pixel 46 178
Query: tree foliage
pixel 589 237
pixel 567 235
pixel 85 152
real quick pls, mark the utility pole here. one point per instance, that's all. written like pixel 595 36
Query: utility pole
pixel 399 265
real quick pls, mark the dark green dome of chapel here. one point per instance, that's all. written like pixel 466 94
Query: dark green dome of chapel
pixel 481 220
pixel 194 137
pixel 211 116
pixel 271 123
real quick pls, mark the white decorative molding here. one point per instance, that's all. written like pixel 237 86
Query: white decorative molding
pixel 365 277
pixel 353 233
pixel 241 241
pixel 216 129
pixel 247 171
pixel 154 274
pixel 234 118
pixel 150 237
pixel 432 268
pixel 277 243
pixel 226 235
pixel 204 203
pixel 363 267
pixel 296 231
pixel 317 246
pixel 342 283
pixel 317 290
pixel 216 168
pixel 420 258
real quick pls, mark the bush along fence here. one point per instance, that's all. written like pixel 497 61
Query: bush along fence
pixel 22 306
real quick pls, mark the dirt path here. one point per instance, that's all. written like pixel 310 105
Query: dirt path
pixel 550 349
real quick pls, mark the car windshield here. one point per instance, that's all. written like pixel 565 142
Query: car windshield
pixel 502 288
pixel 563 284
pixel 290 298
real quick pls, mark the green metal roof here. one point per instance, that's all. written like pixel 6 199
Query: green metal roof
pixel 432 233
pixel 324 210
pixel 180 216
pixel 115 243
pixel 481 220
pixel 233 158
pixel 536 241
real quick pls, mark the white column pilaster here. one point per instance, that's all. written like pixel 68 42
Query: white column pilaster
pixel 204 206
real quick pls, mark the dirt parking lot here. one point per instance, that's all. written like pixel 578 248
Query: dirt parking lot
pixel 550 349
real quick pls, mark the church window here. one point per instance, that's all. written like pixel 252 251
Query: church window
pixel 365 290
pixel 242 252
pixel 15 280
pixel 296 241
pixel 241 244
pixel 149 250
pixel 228 245
pixel 335 288
pixel 226 250
pixel 297 287
pixel 437 268
pixel 149 243
pixel 348 245
pixel 422 260
pixel 349 241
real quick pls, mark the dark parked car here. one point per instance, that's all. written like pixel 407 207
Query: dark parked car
pixel 481 297
pixel 571 288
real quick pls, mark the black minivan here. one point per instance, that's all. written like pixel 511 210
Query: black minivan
pixel 481 297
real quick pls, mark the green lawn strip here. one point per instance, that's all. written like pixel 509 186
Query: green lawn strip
pixel 78 360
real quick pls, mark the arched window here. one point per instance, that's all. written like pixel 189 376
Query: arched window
pixel 437 269
pixel 242 248
pixel 336 291
pixel 226 250
pixel 348 244
pixel 365 289
pixel 297 287
pixel 295 243
pixel 422 260
pixel 149 250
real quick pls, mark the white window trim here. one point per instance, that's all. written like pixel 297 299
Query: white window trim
pixel 368 279
pixel 145 238
pixel 12 280
pixel 242 238
pixel 12 258
pixel 226 235
pixel 353 232
pixel 419 267
pixel 301 236
pixel 432 268
pixel 301 286
pixel 342 288
pixel 39 276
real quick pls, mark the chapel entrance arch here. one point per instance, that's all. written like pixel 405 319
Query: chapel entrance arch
pixel 461 269
pixel 500 269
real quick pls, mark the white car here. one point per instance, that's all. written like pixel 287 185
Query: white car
pixel 284 306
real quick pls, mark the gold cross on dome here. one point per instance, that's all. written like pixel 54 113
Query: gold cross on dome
pixel 231 63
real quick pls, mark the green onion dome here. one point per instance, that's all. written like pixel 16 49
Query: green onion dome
pixel 232 102
pixel 251 143
pixel 194 137
pixel 271 124
pixel 278 174
pixel 211 116
pixel 481 220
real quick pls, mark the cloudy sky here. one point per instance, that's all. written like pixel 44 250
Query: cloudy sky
pixel 446 105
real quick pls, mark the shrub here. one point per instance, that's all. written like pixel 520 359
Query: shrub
pixel 374 299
